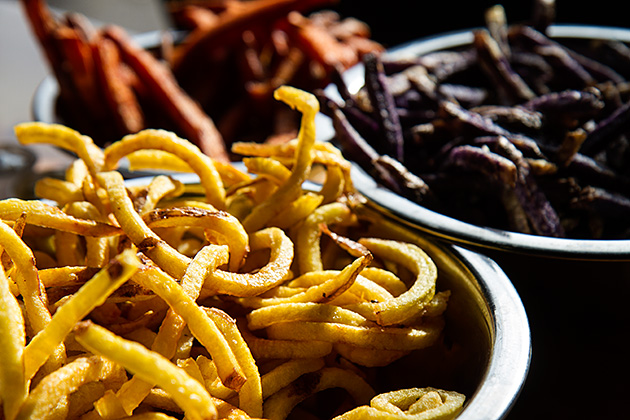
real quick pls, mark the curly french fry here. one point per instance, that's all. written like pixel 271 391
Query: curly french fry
pixel 307 242
pixel 292 188
pixel 186 391
pixel 403 338
pixel 65 138
pixel 409 303
pixel 45 215
pixel 166 141
pixel 328 290
pixel 274 272
pixel 222 226
pixel 144 238
pixel 288 372
pixel 251 393
pixel 411 404
pixel 305 311
pixel 135 390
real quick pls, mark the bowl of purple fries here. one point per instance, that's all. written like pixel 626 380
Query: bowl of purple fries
pixel 511 137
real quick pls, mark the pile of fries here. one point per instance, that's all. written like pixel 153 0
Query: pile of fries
pixel 517 130
pixel 238 297
pixel 212 87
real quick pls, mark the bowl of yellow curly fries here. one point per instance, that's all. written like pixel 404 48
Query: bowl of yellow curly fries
pixel 253 291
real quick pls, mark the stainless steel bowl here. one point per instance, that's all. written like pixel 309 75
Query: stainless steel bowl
pixel 487 336
pixel 463 233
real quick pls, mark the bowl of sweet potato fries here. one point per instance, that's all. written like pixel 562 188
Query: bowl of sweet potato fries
pixel 505 137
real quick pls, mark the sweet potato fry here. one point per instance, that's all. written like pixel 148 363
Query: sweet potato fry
pixel 121 100
pixel 190 119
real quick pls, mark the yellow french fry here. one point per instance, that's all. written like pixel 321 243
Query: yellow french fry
pixel 58 385
pixel 160 187
pixel 324 292
pixel 402 338
pixel 280 404
pixel 41 214
pixel 173 262
pixel 202 327
pixel 297 211
pixel 89 296
pixel 13 383
pixel 304 311
pixel 211 379
pixel 166 141
pixel 308 105
pixel 263 348
pixel 307 242
pixel 222 226
pixel 281 376
pixel 250 396
pixel 410 404
pixel 26 277
pixel 268 168
pixel 133 392
pixel 189 394
pixel 411 302
pixel 58 190
pixel 65 138
pixel 265 278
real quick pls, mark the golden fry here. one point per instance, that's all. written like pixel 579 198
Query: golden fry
pixel 274 272
pixel 58 190
pixel 202 327
pixel 307 242
pixel 280 404
pixel 201 164
pixel 412 404
pixel 263 348
pixel 288 372
pixel 65 138
pixel 411 302
pixel 173 262
pixel 403 338
pixel 59 384
pixel 292 188
pixel 41 214
pixel 250 394
pixel 307 311
pixel 189 394
pixel 13 383
pixel 91 295
pixel 222 226
pixel 133 392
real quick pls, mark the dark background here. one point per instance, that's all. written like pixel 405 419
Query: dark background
pixel 397 21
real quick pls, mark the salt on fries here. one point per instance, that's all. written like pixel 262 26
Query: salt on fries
pixel 225 301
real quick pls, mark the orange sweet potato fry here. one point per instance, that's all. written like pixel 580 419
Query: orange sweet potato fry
pixel 192 122
pixel 319 44
pixel 120 97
